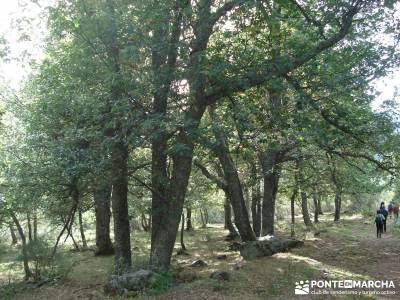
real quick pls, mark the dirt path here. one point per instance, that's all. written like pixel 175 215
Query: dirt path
pixel 345 250
pixel 386 253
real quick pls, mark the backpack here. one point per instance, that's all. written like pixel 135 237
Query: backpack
pixel 384 212
pixel 378 219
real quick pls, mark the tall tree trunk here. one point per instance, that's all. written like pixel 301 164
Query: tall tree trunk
pixel 247 199
pixel 81 229
pixel 203 218
pixel 14 239
pixel 183 247
pixel 228 219
pixel 304 209
pixel 168 192
pixel 316 207
pixel 167 209
pixel 28 272
pixel 256 206
pixel 233 185
pixel 303 195
pixel 35 225
pixel 320 212
pixel 292 213
pixel 338 203
pixel 119 154
pixel 189 225
pixel 119 199
pixel 30 231
pixel 102 200
pixel 271 172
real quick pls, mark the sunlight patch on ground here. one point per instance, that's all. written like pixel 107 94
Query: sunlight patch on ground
pixel 330 270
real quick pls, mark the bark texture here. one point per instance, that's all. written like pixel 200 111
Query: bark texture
pixel 102 200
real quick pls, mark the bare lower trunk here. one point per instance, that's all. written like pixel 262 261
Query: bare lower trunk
pixel 81 229
pixel 271 173
pixel 292 214
pixel 146 224
pixel 189 224
pixel 338 204
pixel 35 226
pixel 320 212
pixel 119 175
pixel 28 272
pixel 167 202
pixel 304 209
pixel 102 200
pixel 228 219
pixel 30 231
pixel 14 239
pixel 183 247
pixel 203 218
pixel 234 188
pixel 316 208
pixel 256 207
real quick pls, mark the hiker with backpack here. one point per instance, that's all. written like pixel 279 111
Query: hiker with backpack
pixel 379 219
pixel 385 213
pixel 390 208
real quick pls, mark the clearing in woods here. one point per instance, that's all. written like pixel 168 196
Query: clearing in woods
pixel 344 250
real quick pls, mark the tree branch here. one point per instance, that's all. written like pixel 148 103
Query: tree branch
pixel 219 182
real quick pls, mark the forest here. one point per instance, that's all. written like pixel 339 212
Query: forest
pixel 200 149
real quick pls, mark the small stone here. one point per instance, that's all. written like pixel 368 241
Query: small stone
pixel 198 263
pixel 220 275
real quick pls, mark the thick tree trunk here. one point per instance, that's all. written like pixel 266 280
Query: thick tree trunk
pixel 119 175
pixel 304 209
pixel 338 203
pixel 271 173
pixel 189 224
pixel 14 239
pixel 28 272
pixel 256 207
pixel 168 192
pixel 82 229
pixel 102 200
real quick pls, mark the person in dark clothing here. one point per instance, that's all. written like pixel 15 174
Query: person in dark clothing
pixel 385 213
pixel 379 223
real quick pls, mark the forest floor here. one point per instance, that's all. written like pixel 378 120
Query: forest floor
pixel 345 250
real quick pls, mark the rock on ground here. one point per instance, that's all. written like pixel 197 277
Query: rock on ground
pixel 267 247
pixel 198 263
pixel 134 281
pixel 220 275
